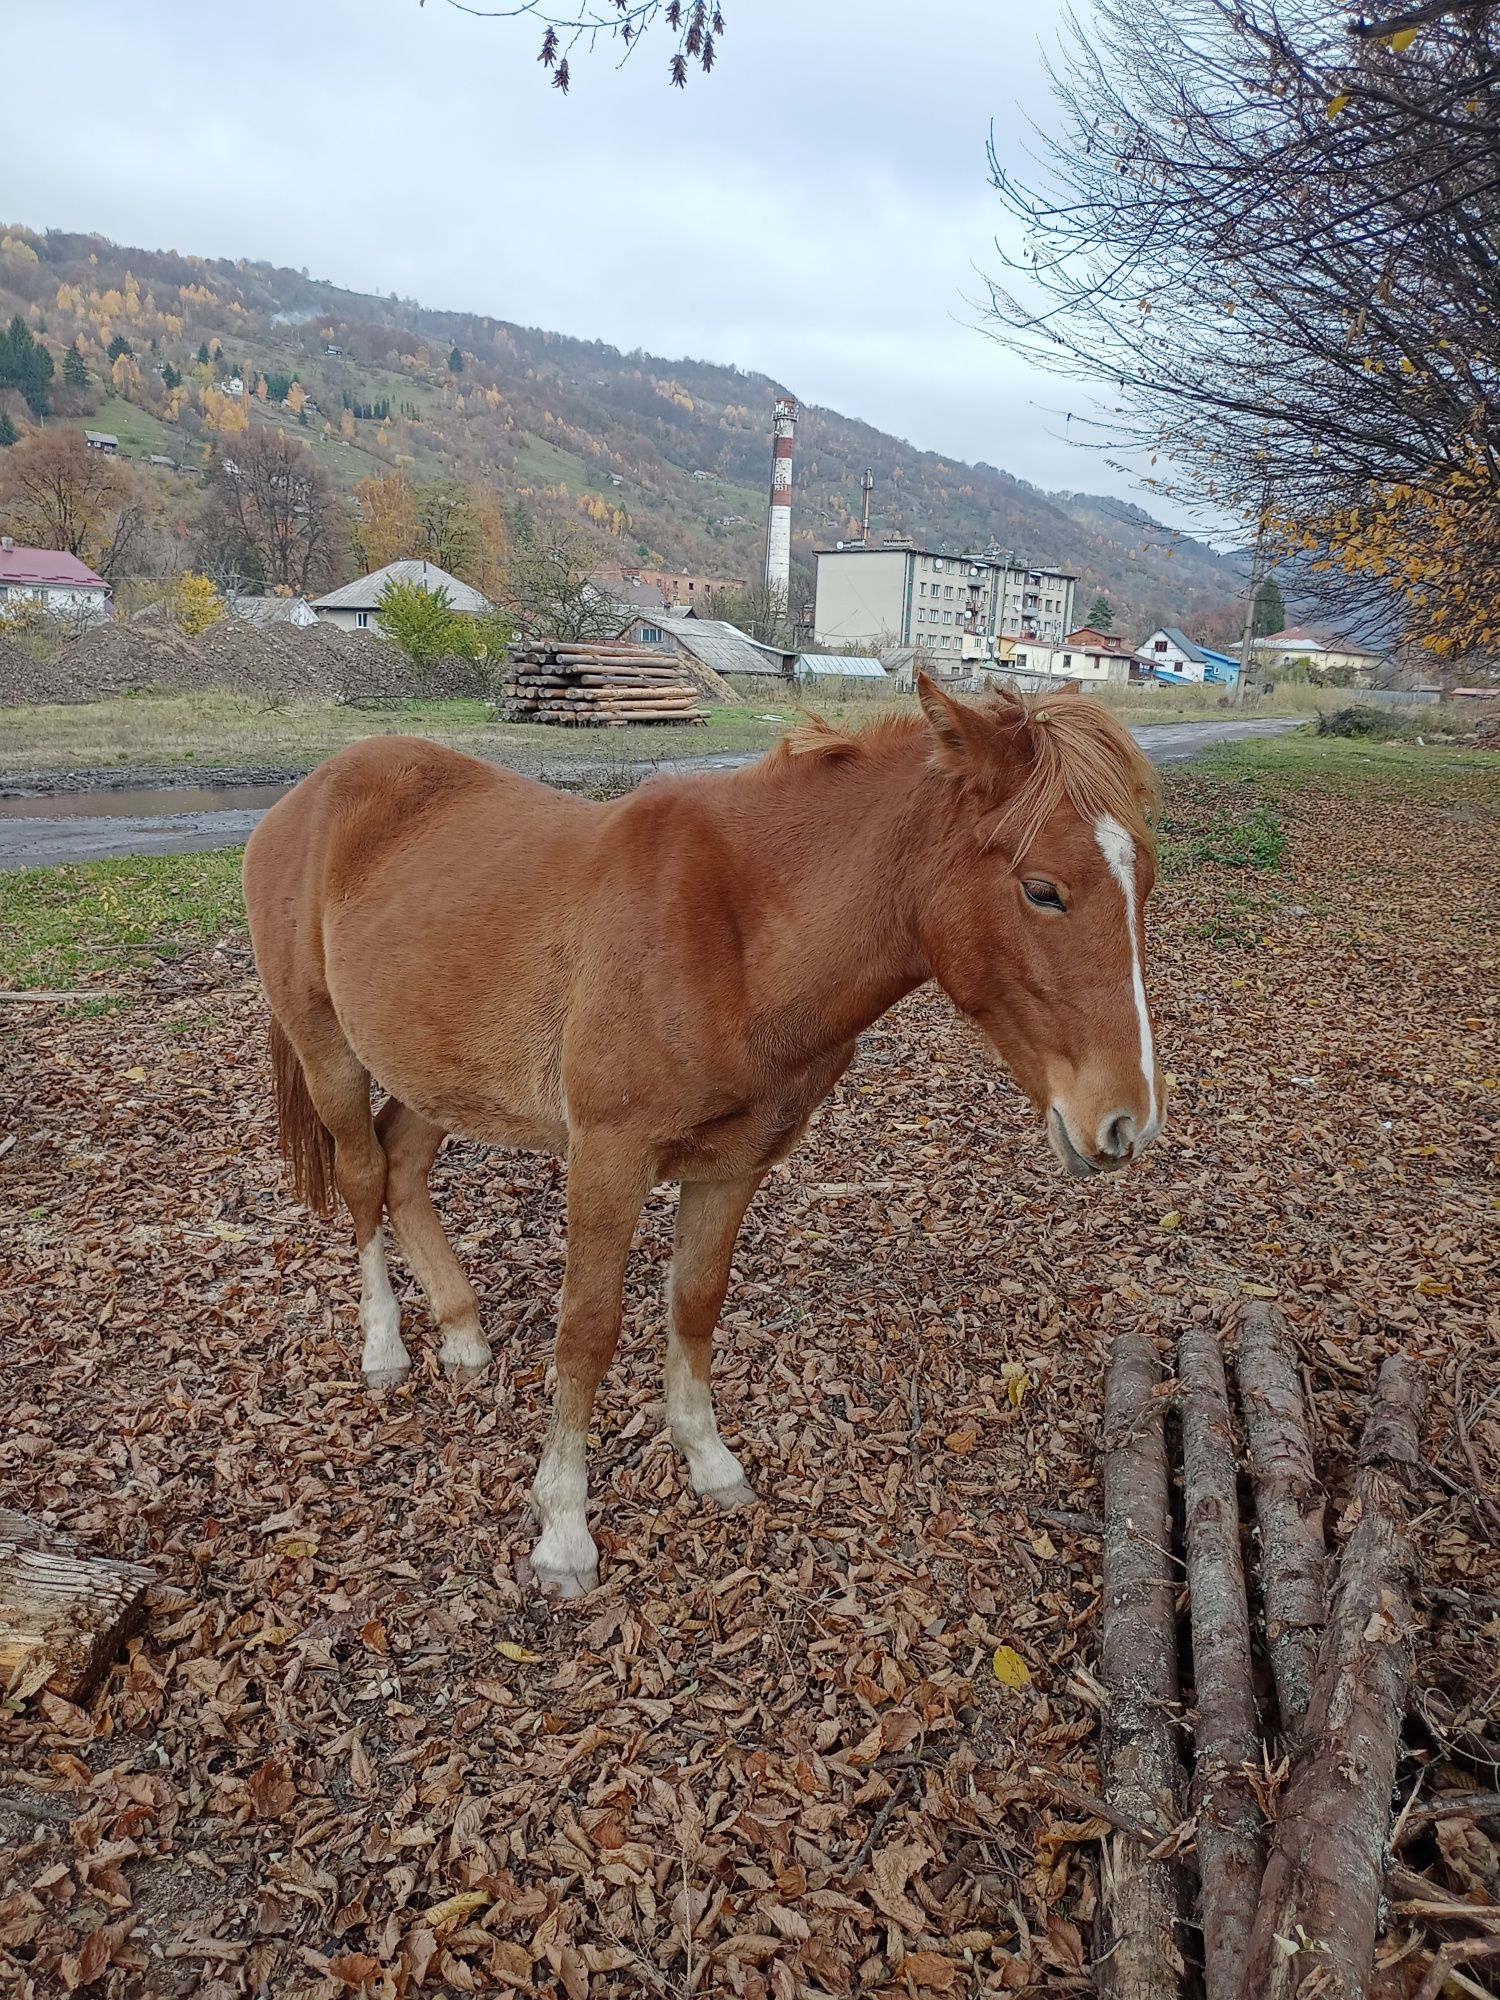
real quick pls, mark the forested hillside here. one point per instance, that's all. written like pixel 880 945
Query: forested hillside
pixel 667 460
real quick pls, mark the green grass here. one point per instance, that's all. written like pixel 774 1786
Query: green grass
pixel 1336 763
pixel 543 464
pixel 99 919
pixel 138 431
pixel 1258 840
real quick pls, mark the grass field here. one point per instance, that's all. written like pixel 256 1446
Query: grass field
pixel 215 729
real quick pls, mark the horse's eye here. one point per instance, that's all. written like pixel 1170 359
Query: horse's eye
pixel 1044 896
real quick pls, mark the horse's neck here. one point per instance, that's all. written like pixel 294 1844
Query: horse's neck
pixel 842 856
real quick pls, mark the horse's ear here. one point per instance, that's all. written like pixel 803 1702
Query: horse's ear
pixel 954 726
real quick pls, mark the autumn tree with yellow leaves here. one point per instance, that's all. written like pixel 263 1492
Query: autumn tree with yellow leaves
pixel 460 528
pixel 1268 241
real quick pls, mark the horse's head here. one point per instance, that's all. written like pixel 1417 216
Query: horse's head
pixel 1036 927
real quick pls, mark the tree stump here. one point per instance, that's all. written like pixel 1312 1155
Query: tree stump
pixel 63 1618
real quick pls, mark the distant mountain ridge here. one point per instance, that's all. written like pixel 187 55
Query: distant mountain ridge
pixel 669 458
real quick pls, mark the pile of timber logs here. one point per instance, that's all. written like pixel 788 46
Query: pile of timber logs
pixel 1290 1909
pixel 600 684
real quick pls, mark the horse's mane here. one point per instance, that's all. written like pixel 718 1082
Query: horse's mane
pixel 1069 747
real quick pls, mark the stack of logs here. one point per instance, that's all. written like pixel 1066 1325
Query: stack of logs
pixel 601 684
pixel 1291 1908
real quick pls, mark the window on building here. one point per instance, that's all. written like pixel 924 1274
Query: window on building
pixel 1067 661
pixel 921 589
pixel 651 635
pixel 362 620
pixel 948 591
pixel 1160 646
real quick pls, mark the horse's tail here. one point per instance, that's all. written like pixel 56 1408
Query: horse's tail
pixel 306 1142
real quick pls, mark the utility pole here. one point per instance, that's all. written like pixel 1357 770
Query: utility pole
pixel 1257 564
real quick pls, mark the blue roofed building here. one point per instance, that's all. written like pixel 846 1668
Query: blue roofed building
pixel 1172 657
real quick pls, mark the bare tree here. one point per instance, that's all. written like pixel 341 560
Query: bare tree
pixel 549 581
pixel 282 507
pixel 696 27
pixel 57 493
pixel 1274 248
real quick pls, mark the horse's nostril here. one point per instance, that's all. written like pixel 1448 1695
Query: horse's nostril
pixel 1118 1137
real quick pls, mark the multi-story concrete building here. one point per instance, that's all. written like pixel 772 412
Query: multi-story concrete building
pixel 957 607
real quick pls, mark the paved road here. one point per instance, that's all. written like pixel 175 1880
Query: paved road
pixel 45 842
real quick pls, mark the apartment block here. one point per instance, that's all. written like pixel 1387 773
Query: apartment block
pixel 957 607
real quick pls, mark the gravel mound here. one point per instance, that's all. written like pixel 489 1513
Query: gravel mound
pixel 314 663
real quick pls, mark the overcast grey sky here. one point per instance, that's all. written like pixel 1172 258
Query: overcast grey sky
pixel 818 209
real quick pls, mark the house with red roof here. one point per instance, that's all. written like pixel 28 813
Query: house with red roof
pixel 60 583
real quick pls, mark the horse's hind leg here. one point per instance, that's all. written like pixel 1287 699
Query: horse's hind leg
pixel 339 1086
pixel 411 1144
pixel 709 1214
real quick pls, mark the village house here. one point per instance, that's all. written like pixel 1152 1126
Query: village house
pixel 104 441
pixel 62 585
pixel 1327 654
pixel 676 586
pixel 353 606
pixel 1089 658
pixel 1171 657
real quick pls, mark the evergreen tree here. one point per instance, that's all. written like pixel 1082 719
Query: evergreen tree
pixel 75 373
pixel 118 346
pixel 1270 611
pixel 26 365
pixel 170 379
pixel 1101 614
pixel 8 431
pixel 203 354
pixel 455 363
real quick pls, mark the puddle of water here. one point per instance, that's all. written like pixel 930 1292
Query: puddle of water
pixel 145 805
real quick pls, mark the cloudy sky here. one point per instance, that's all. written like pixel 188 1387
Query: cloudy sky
pixel 818 209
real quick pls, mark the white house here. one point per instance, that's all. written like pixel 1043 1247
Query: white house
pixel 1324 653
pixel 271 610
pixel 352 607
pixel 61 584
pixel 1076 658
pixel 1171 656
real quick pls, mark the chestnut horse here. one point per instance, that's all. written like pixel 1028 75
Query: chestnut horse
pixel 664 987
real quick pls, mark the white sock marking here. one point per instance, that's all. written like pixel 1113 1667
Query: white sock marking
pixel 566 1554
pixel 379 1314
pixel 712 1466
pixel 1118 849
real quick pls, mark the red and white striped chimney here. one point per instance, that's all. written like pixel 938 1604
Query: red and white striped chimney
pixel 779 518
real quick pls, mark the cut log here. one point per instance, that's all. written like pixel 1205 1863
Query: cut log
pixel 1143 1773
pixel 1225 1736
pixel 1323 1874
pixel 62 1619
pixel 1289 1508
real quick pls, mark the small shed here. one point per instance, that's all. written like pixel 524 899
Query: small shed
pixel 104 441
pixel 263 611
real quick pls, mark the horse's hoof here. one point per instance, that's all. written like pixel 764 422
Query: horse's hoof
pixel 379 1379
pixel 738 1493
pixel 464 1367
pixel 565 1584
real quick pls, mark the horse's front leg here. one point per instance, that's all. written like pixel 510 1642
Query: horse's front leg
pixel 608 1179
pixel 709 1215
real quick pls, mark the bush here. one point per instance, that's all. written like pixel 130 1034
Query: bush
pixel 1362 720
pixel 424 624
pixel 194 604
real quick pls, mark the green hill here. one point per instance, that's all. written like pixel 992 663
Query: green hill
pixel 564 424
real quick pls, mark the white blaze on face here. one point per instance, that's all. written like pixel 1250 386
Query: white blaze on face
pixel 1118 849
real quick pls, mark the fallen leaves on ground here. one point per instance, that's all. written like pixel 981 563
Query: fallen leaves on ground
pixel 798 1749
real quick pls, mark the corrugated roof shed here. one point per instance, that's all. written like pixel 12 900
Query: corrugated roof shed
pixel 724 647
pixel 365 592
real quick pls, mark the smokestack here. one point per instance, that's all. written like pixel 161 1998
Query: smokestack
pixel 779 518
pixel 867 486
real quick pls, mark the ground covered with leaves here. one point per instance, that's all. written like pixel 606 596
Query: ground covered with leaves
pixel 814 1747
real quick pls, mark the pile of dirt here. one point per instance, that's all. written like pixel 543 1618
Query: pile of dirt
pixel 311 663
